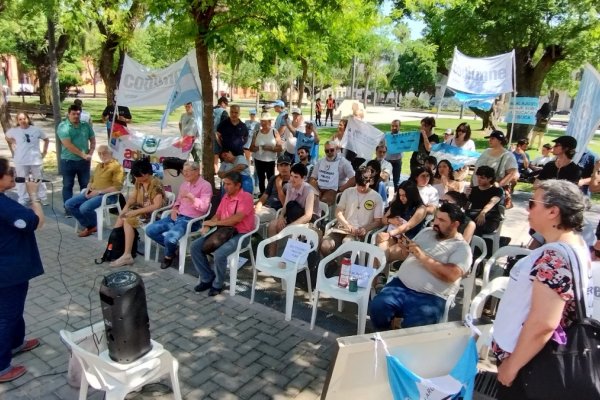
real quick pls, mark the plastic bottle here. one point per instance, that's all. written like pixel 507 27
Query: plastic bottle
pixel 344 278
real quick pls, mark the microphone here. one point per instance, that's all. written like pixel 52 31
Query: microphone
pixel 20 179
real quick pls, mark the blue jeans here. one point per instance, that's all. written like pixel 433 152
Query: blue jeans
pixel 12 324
pixel 396 171
pixel 202 265
pixel 167 232
pixel 84 209
pixel 396 300
pixel 69 170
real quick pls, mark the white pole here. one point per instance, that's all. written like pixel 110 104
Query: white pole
pixel 514 99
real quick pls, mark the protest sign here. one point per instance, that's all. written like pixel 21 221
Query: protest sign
pixel 361 138
pixel 522 110
pixel 296 251
pixel 402 141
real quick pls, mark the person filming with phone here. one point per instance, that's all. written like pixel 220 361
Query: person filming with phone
pixel 439 257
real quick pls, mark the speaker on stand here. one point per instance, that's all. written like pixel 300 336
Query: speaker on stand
pixel 123 300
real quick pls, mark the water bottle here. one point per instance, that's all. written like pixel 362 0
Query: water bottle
pixel 344 278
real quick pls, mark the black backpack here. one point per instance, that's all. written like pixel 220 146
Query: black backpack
pixel 116 245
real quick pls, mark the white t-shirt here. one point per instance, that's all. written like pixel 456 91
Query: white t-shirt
pixel 289 141
pixel 344 170
pixel 449 251
pixel 429 195
pixel 468 145
pixel 361 209
pixel 265 139
pixel 27 151
pixel 540 161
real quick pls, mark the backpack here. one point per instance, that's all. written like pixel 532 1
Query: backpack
pixel 116 245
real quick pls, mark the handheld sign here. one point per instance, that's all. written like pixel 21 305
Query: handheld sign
pixel 296 251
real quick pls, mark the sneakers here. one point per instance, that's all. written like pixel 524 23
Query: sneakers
pixel 68 214
pixel 125 259
pixel 27 346
pixel 87 232
pixel 13 373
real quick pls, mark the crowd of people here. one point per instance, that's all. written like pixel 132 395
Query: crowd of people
pixel 424 224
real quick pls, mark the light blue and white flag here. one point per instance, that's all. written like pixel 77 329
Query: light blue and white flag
pixel 481 101
pixel 585 116
pixel 458 157
pixel 186 90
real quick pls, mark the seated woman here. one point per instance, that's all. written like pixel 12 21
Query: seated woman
pixel 443 179
pixel 485 199
pixel 467 228
pixel 422 177
pixel 148 195
pixel 301 204
pixel 406 216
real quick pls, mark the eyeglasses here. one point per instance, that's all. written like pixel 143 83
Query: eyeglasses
pixel 532 203
pixel 27 138
pixel 460 130
pixel 329 151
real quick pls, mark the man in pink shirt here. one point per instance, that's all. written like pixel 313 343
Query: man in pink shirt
pixel 236 209
pixel 192 202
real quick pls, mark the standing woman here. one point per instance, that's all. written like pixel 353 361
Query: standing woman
pixel 542 117
pixel 266 143
pixel 148 195
pixel 426 140
pixel 337 140
pixel 540 299
pixel 17 231
pixel 24 141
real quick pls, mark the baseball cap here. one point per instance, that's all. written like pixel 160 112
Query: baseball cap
pixel 277 103
pixel 296 110
pixel 252 111
pixel 498 135
pixel 566 141
pixel 266 117
pixel 448 131
pixel 284 160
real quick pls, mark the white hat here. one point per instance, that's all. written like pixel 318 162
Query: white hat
pixel 296 110
pixel 266 117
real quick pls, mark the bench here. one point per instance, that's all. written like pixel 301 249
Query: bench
pixel 44 110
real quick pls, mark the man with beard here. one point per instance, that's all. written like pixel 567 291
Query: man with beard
pixel 439 258
pixel 303 154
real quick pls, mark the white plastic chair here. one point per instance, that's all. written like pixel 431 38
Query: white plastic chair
pixel 494 237
pixel 184 241
pixel 324 213
pixel 234 258
pixel 147 241
pixel 506 251
pixel 270 265
pixel 495 289
pixel 468 282
pixel 330 285
pixel 103 212
pixel 116 379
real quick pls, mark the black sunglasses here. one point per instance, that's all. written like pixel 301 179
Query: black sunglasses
pixel 329 150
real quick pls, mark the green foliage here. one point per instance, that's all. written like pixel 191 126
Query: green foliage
pixel 416 68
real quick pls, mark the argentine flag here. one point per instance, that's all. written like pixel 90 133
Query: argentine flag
pixel 186 90
pixel 457 156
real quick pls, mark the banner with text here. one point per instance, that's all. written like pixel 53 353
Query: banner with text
pixel 522 110
pixel 401 142
pixel 486 75
pixel 142 86
pixel 361 138
pixel 131 146
pixel 585 116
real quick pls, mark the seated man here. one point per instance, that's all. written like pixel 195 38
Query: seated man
pixel 304 158
pixel 301 204
pixel 274 196
pixel 360 210
pixel 522 158
pixel 332 174
pixel 439 257
pixel 192 202
pixel 235 210
pixel 107 178
pixel 239 164
pixel 386 166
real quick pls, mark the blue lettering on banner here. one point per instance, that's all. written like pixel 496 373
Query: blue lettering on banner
pixel 401 142
pixel 522 110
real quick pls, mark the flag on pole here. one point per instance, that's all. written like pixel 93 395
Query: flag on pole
pixel 186 90
pixel 585 116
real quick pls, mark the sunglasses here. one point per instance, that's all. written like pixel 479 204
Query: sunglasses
pixel 532 203
pixel 27 138
pixel 329 151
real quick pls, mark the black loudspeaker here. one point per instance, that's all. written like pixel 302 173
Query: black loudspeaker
pixel 125 314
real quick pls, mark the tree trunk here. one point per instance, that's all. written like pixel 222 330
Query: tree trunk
pixel 302 81
pixel 5 117
pixel 208 169
pixel 43 74
pixel 55 88
pixel 366 93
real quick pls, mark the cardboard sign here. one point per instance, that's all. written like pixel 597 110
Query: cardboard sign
pixel 522 110
pixel 296 251
pixel 401 142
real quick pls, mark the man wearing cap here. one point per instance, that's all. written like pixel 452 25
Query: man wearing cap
pixel 274 195
pixel 279 107
pixel 219 115
pixel 252 125
pixel 239 164
pixel 563 166
pixel 395 159
pixel 332 174
pixel 188 127
pixel 232 134
pixel 329 107
pixel 289 131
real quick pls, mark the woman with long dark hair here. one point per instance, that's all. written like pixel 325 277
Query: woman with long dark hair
pixel 542 118
pixel 443 179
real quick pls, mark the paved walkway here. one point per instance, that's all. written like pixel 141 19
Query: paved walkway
pixel 227 348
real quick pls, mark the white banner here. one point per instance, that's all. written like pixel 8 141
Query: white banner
pixel 142 86
pixel 131 146
pixel 361 138
pixel 585 116
pixel 487 75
